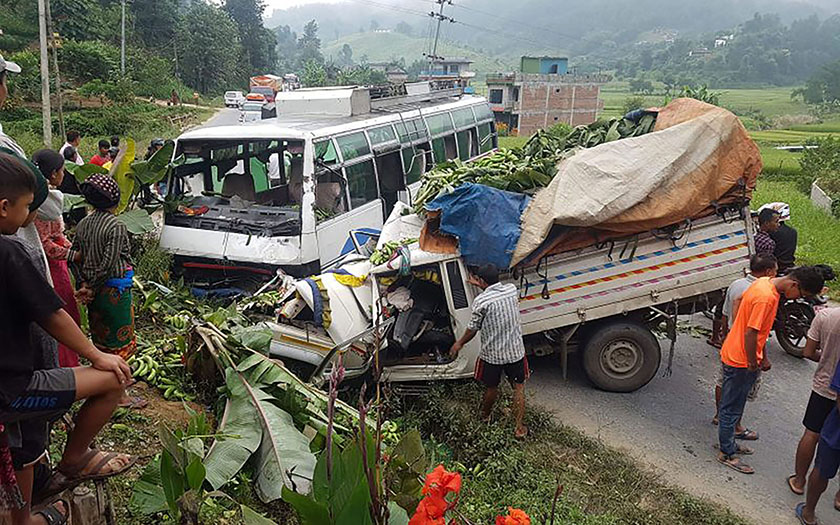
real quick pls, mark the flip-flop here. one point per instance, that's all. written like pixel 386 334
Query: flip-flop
pixel 747 435
pixel 798 492
pixel 740 450
pixel 736 465
pixel 68 478
pixel 714 344
pixel 51 514
pixel 799 509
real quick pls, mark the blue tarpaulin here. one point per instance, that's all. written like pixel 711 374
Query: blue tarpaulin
pixel 485 221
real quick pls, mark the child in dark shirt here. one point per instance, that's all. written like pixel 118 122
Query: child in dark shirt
pixel 28 394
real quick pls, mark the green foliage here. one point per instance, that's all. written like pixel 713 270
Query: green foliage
pixel 88 60
pixel 120 91
pixel 309 47
pixel 314 74
pixel 640 85
pixel 173 482
pixel 360 76
pixel 209 49
pixel 822 162
pixel 632 104
pixel 258 43
pixel 701 93
pixel 823 87
pixel 25 85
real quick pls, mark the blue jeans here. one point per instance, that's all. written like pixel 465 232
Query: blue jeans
pixel 737 383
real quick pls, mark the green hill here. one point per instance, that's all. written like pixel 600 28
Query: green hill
pixel 381 47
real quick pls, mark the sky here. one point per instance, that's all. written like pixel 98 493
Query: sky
pixel 285 4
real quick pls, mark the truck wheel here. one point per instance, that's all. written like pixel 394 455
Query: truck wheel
pixel 621 357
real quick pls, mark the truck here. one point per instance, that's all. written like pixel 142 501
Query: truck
pixel 605 301
pixel 267 85
pixel 602 263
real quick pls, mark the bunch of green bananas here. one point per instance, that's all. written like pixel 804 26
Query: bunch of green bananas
pixel 158 368
pixel 383 255
pixel 179 321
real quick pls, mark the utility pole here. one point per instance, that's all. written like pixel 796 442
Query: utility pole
pixel 440 17
pixel 45 74
pixel 122 41
pixel 54 46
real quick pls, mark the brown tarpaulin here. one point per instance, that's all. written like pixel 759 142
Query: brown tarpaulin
pixel 698 156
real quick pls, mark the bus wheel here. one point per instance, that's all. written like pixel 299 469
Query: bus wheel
pixel 621 357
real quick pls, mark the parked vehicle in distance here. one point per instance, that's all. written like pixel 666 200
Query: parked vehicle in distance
pixel 255 97
pixel 251 112
pixel 234 99
pixel 268 85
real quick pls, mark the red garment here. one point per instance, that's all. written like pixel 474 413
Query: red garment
pixel 56 247
pixel 99 161
pixel 10 495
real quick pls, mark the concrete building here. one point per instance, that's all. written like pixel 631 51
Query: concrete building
pixel 543 93
pixel 451 69
pixel 393 72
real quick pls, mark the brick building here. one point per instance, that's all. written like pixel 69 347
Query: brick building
pixel 543 93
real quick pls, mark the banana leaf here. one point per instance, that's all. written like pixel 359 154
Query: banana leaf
pixel 137 221
pixel 84 171
pixel 121 172
pixel 156 168
pixel 282 459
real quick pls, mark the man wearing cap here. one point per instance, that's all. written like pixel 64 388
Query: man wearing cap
pixel 785 237
pixel 7 67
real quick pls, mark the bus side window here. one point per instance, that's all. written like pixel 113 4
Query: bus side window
pixel 391 178
pixel 361 182
pixel 444 149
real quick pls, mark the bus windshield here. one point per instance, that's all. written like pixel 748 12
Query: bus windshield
pixel 267 172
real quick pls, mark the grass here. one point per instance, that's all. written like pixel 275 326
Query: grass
pixel 600 485
pixel 512 142
pixel 819 241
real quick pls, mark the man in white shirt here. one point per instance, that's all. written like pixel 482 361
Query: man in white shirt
pixel 6 141
pixel 74 138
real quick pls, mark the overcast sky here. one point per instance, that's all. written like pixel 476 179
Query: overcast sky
pixel 283 4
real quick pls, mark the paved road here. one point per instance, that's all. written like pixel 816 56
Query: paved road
pixel 667 425
pixel 223 117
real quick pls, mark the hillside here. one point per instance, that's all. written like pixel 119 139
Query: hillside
pixel 380 47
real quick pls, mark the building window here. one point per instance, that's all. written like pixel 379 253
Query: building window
pixel 496 96
pixel 515 94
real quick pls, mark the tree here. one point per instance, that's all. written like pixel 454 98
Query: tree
pixel 309 45
pixel 77 19
pixel 404 29
pixel 314 74
pixel 345 56
pixel 822 87
pixel 374 25
pixel 632 104
pixel 258 43
pixel 640 85
pixel 155 21
pixel 210 58
pixel 287 50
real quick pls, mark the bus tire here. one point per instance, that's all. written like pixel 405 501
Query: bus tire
pixel 621 356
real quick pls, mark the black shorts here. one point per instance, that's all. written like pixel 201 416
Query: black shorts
pixel 491 375
pixel 819 408
pixel 49 395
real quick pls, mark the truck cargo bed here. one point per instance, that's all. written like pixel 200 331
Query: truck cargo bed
pixel 634 273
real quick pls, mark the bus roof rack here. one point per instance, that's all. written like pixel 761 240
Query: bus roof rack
pixel 348 101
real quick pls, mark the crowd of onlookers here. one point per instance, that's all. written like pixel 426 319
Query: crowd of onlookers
pixel 44 277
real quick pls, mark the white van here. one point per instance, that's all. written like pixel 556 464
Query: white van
pixel 234 99
pixel 301 191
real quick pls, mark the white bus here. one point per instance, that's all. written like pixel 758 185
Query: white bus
pixel 301 191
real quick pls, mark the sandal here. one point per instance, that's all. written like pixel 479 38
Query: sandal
pixel 792 487
pixel 52 515
pixel 799 511
pixel 740 450
pixel 65 478
pixel 714 344
pixel 735 464
pixel 747 435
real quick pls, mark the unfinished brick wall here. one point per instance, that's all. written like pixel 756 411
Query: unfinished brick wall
pixel 544 102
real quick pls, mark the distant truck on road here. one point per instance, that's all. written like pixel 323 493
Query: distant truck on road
pixel 266 85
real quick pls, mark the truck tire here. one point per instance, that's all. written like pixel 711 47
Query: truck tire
pixel 621 356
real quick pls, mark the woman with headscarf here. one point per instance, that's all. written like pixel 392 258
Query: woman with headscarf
pixel 100 260
pixel 50 226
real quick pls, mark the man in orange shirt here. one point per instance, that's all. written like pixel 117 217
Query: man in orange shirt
pixel 743 352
